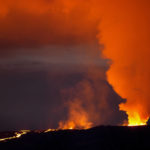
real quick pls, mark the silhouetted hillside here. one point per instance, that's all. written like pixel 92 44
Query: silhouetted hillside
pixel 98 138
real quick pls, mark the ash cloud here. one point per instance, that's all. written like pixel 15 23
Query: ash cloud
pixel 36 63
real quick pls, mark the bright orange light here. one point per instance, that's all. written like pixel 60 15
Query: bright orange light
pixel 126 39
pixel 77 118
pixel 136 120
pixel 17 135
pixel 76 124
pixel 50 130
pixel 135 115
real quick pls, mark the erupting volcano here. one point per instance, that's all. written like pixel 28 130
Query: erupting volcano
pixel 93 57
pixel 78 67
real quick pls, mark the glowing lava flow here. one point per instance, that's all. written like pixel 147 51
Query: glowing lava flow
pixel 70 125
pixel 76 121
pixel 135 120
pixel 17 135
pixel 50 130
pixel 135 117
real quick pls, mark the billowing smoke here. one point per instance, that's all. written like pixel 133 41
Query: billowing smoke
pixel 30 23
pixel 91 102
pixel 122 29
pixel 126 36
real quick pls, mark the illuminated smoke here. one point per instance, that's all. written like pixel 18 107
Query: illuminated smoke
pixel 90 103
pixel 126 35
pixel 123 28
pixel 79 107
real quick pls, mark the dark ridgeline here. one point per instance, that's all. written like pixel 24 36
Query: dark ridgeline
pixel 148 122
pixel 98 138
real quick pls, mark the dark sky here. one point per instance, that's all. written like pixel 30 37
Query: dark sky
pixel 49 55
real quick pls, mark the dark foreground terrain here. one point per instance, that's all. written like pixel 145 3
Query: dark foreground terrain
pixel 98 138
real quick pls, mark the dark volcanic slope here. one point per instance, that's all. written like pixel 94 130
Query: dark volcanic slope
pixel 99 138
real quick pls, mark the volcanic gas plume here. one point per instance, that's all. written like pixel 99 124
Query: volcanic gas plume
pixel 124 31
pixel 126 37
pixel 121 27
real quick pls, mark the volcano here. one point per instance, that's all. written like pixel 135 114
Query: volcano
pixel 102 137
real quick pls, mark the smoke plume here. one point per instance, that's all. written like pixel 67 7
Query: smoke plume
pixel 122 29
pixel 126 36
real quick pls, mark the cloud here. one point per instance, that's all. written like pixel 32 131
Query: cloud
pixel 37 34
pixel 39 23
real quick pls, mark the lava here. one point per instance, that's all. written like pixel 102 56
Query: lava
pixel 50 130
pixel 78 117
pixel 17 135
pixel 136 120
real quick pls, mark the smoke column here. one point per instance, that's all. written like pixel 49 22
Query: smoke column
pixel 122 27
pixel 125 34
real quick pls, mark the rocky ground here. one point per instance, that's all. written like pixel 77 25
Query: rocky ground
pixel 98 138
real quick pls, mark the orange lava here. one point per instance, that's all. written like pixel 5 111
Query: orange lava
pixel 77 118
pixel 17 135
